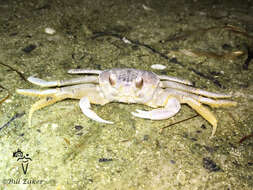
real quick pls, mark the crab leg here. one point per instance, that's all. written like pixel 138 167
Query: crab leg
pixel 171 108
pixel 84 71
pixel 37 93
pixel 196 101
pixel 209 101
pixel 203 111
pixel 214 103
pixel 85 92
pixel 175 79
pixel 85 107
pixel 169 84
pixel 43 83
pixel 49 97
pixel 41 104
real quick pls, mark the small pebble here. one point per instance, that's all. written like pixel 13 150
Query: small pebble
pixel 210 165
pixel 146 8
pixel 105 159
pixel 125 40
pixel 158 67
pixel 203 126
pixel 29 48
pixel 226 47
pixel 50 31
pixel 174 60
pixel 146 137
pixel 78 127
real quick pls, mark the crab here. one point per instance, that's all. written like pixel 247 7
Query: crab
pixel 127 85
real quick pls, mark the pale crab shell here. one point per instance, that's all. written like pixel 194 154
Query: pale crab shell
pixel 130 86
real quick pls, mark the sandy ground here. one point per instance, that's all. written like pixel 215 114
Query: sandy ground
pixel 207 42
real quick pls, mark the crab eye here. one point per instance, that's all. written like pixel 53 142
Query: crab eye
pixel 139 82
pixel 112 79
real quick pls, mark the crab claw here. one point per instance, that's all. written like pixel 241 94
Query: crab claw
pixel 172 107
pixel 85 107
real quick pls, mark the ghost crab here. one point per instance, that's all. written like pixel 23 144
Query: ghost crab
pixel 164 93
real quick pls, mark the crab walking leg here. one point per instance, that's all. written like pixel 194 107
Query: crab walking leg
pixel 175 85
pixel 171 108
pixel 215 103
pixel 203 111
pixel 175 79
pixel 37 93
pixel 43 83
pixel 84 71
pixel 85 107
pixel 209 101
pixel 52 96
pixel 48 97
pixel 43 103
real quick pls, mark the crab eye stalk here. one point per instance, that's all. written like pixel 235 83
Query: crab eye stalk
pixel 139 82
pixel 112 79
